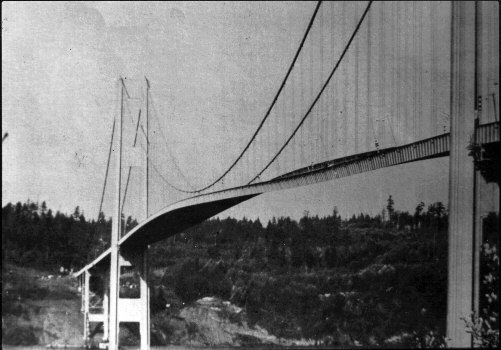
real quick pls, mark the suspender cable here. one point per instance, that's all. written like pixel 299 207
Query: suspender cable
pixel 320 93
pixel 334 98
pixel 413 50
pixel 421 72
pixel 407 102
pixel 393 82
pixel 293 116
pixel 357 95
pixel 320 130
pixel 368 110
pixel 301 77
pixel 382 77
pixel 284 126
pixel 398 72
pixel 309 128
pixel 346 83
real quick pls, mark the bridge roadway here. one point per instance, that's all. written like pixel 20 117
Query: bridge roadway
pixel 186 213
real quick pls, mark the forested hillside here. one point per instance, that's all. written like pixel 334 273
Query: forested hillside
pixel 338 281
pixel 33 236
pixel 365 280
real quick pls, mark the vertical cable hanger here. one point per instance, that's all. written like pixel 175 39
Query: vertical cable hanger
pixel 433 69
pixel 398 72
pixel 421 71
pixel 283 131
pixel 407 80
pixel 346 82
pixel 311 128
pixel 394 81
pixel 393 78
pixel 333 115
pixel 368 110
pixel 382 75
pixel 320 130
pixel 357 96
pixel 293 118
pixel 301 80
pixel 415 72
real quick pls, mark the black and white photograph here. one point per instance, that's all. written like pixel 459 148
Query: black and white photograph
pixel 250 174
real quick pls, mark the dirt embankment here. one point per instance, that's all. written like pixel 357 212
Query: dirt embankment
pixel 43 309
pixel 40 309
pixel 213 322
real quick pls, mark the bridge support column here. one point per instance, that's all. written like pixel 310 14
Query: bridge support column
pixel 86 306
pixel 106 310
pixel 144 325
pixel 461 175
pixel 133 308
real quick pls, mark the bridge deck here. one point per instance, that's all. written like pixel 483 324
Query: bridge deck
pixel 191 211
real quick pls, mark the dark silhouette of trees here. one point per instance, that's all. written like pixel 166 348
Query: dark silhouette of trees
pixel 417 215
pixel 35 237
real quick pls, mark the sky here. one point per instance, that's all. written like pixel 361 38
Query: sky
pixel 208 62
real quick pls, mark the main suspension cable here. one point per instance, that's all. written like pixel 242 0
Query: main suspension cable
pixel 319 94
pixel 107 170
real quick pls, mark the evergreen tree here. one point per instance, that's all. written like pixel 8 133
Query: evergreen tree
pixel 417 215
pixel 391 210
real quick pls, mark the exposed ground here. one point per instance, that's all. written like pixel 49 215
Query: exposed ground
pixel 40 309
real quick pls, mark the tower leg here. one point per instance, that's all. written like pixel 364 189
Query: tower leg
pixel 86 300
pixel 106 309
pixel 132 309
pixel 144 326
pixel 461 175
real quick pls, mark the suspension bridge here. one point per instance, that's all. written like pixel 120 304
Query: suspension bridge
pixel 370 85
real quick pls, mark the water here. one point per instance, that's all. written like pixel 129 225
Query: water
pixel 168 347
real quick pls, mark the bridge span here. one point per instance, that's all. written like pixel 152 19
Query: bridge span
pixel 189 212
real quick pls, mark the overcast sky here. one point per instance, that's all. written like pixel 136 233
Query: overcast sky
pixel 60 64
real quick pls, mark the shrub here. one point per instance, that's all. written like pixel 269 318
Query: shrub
pixel 19 336
pixel 485 327
pixel 193 281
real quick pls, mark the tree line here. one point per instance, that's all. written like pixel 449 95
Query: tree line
pixel 33 236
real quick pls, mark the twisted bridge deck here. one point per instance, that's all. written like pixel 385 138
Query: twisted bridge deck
pixel 191 211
